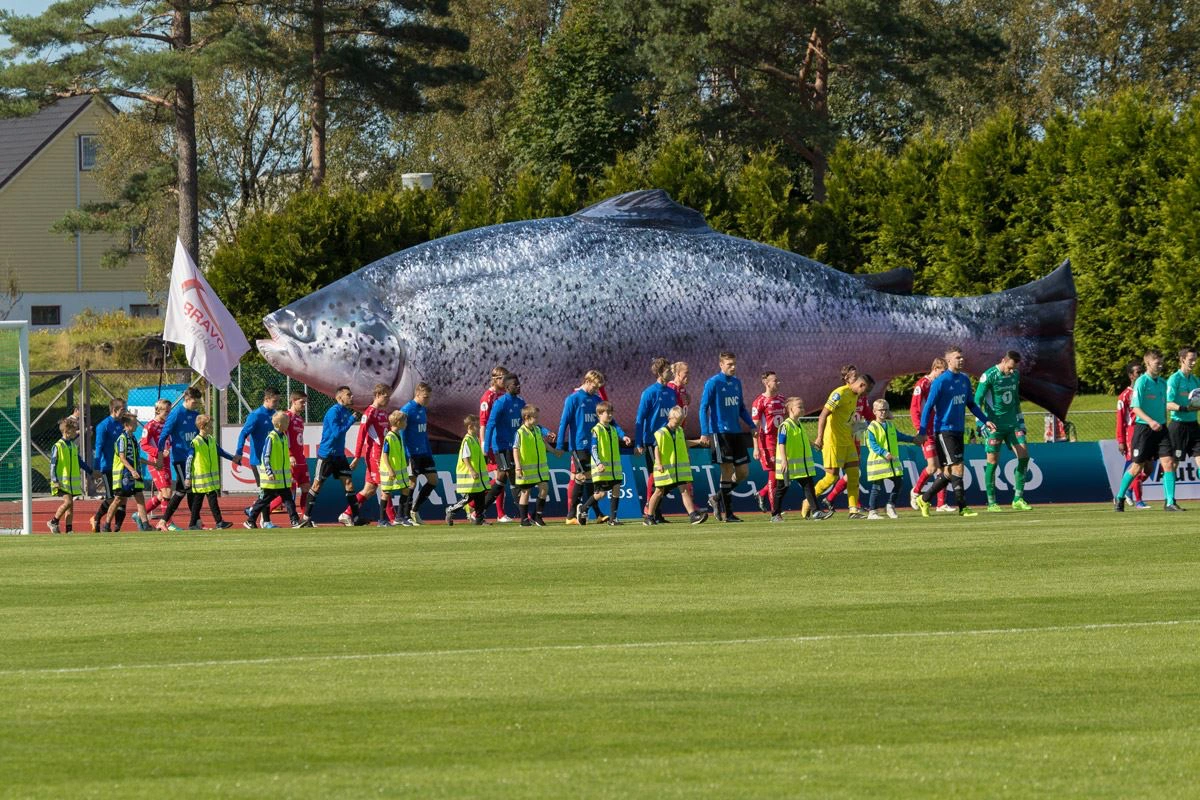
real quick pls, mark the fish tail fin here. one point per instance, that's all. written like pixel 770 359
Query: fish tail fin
pixel 1040 325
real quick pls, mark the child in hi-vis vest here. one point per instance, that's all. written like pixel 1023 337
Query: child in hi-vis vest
pixel 884 468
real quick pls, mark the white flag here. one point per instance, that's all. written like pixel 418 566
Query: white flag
pixel 197 320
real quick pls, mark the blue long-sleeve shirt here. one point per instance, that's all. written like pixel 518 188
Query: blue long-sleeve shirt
pixel 180 428
pixel 657 400
pixel 107 432
pixel 578 419
pixel 338 420
pixel 415 435
pixel 503 422
pixel 257 428
pixel 722 404
pixel 950 395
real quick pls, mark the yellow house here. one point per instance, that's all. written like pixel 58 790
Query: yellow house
pixel 45 170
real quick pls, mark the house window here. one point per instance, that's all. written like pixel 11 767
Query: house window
pixel 45 315
pixel 143 311
pixel 89 149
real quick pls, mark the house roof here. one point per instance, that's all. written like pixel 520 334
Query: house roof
pixel 22 138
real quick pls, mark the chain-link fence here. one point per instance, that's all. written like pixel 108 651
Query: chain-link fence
pixel 249 381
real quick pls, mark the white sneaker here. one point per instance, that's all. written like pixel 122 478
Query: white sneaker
pixel 470 514
pixel 912 500
pixel 874 515
pixel 345 519
pixel 505 518
pixel 891 512
pixel 947 509
pixel 415 517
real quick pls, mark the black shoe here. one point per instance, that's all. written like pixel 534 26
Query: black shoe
pixel 659 519
pixel 580 515
pixel 1118 504
pixel 249 524
pixel 53 526
pixel 196 527
pixel 697 517
pixel 762 504
pixel 358 521
pixel 538 521
pixel 526 523
pixel 450 517
pixel 1171 507
pixel 733 518
pixel 648 520
pixel 223 524
pixel 613 521
pixel 479 520
pixel 714 505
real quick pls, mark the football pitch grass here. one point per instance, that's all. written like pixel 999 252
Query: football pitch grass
pixel 1047 654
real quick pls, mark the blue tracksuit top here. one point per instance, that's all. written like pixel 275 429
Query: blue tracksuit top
pixel 107 433
pixel 721 405
pixel 416 434
pixel 503 422
pixel 578 419
pixel 338 420
pixel 950 395
pixel 657 400
pixel 257 428
pixel 180 428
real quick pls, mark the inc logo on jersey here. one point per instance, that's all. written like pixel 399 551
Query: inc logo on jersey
pixel 731 401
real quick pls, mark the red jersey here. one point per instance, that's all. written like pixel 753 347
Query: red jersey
pixel 149 441
pixel 485 408
pixel 295 434
pixel 1125 417
pixel 371 433
pixel 681 396
pixel 768 414
pixel 920 392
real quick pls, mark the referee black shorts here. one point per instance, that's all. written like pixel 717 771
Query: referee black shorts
pixel 1149 445
pixel 1185 439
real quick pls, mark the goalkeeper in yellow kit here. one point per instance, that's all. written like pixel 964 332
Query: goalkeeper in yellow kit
pixel 838 450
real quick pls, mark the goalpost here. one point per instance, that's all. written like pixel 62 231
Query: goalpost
pixel 16 490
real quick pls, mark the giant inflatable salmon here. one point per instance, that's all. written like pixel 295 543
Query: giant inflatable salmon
pixel 634 277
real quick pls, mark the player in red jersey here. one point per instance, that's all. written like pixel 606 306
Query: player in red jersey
pixel 149 443
pixel 768 412
pixel 369 448
pixel 929 448
pixel 495 389
pixel 863 414
pixel 678 382
pixel 300 477
pixel 1125 421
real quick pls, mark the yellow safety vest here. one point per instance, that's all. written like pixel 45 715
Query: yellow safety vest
pixel 206 470
pixel 795 459
pixel 532 449
pixel 275 455
pixel 67 468
pixel 608 450
pixel 393 465
pixel 672 457
pixel 472 453
pixel 879 467
pixel 128 445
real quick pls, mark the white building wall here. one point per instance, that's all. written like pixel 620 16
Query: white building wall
pixel 72 303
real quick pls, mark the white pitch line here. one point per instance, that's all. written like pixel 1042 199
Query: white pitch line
pixel 554 648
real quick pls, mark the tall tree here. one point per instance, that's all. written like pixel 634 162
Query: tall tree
pixel 138 49
pixel 377 53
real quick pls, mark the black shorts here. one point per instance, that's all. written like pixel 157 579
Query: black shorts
pixel 1185 439
pixel 504 461
pixel 335 466
pixel 422 464
pixel 128 490
pixel 950 448
pixel 604 486
pixel 1149 445
pixel 731 448
pixel 649 455
pixel 581 461
pixel 106 485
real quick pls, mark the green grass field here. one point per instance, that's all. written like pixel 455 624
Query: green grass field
pixel 1049 654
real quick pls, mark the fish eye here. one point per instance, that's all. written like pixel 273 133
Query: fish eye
pixel 296 327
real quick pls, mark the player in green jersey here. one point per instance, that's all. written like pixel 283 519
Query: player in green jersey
pixel 998 394
pixel 1182 428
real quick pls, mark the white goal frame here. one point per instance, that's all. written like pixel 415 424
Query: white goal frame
pixel 22 327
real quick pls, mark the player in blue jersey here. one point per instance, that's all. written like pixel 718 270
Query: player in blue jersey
pixel 331 454
pixel 656 402
pixel 179 429
pixel 256 428
pixel 575 435
pixel 501 433
pixel 108 430
pixel 416 445
pixel 949 397
pixel 722 410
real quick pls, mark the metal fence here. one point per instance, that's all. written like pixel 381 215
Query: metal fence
pixel 248 382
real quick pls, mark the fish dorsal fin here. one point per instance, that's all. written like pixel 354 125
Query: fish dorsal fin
pixel 894 281
pixel 648 208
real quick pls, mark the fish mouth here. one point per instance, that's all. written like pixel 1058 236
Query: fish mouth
pixel 280 351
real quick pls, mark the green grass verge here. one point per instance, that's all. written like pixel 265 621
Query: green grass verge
pixel 1049 654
